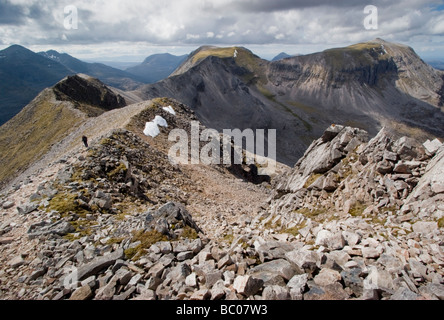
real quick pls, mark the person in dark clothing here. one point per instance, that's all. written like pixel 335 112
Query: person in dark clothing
pixel 85 141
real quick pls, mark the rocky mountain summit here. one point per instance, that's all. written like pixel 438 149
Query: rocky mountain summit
pixel 354 219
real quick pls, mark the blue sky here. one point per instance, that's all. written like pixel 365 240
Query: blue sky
pixel 131 30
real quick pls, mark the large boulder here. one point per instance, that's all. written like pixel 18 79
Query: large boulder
pixel 170 214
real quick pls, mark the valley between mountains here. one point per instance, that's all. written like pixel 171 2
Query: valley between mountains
pixel 353 211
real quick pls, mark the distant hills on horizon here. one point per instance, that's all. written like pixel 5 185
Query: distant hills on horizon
pixel 24 73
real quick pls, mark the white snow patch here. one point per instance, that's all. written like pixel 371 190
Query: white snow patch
pixel 151 129
pixel 160 121
pixel 170 110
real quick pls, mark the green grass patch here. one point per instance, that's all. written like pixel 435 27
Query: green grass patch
pixel 312 179
pixel 65 202
pixel 228 238
pixel 273 225
pixel 295 230
pixel 441 223
pixel 115 240
pixel 313 214
pixel 189 233
pixel 121 169
pixel 147 239
pixel 216 52
pixel 361 54
pixel 29 135
pixel 357 209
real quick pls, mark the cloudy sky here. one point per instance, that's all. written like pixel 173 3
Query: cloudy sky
pixel 131 30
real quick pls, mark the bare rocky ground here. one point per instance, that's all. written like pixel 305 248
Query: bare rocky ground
pixel 354 219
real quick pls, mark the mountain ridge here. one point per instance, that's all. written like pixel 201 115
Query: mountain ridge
pixel 365 84
pixel 24 74
pixel 108 75
pixel 49 118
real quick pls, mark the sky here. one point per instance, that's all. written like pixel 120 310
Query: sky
pixel 129 30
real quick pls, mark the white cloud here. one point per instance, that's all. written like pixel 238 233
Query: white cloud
pixel 192 36
pixel 219 22
pixel 272 30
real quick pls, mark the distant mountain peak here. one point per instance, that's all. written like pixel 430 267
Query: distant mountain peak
pixel 157 56
pixel 241 55
pixel 88 90
pixel 15 49
pixel 280 56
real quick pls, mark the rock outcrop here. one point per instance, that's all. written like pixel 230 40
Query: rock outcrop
pixel 90 91
pixel 342 173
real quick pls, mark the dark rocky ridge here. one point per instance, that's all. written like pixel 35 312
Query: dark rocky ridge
pixel 89 91
pixel 49 118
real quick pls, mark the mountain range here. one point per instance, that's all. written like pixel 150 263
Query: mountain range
pixel 353 211
pixel 110 76
pixel 24 74
pixel 367 85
